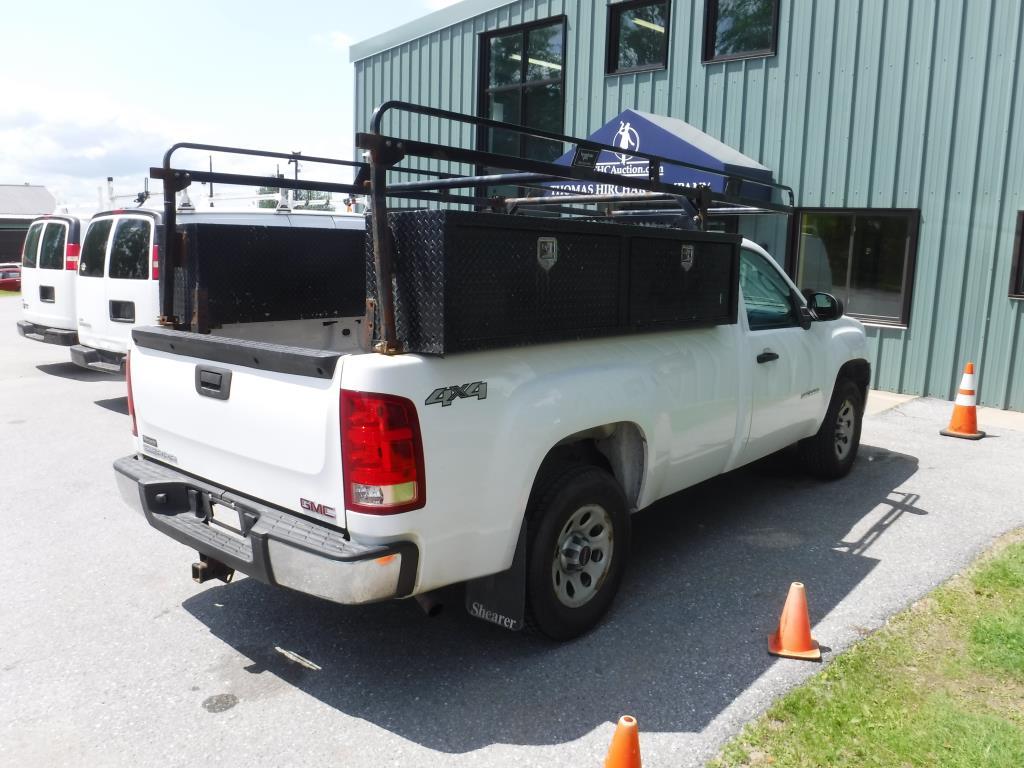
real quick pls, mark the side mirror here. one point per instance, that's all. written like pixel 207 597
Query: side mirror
pixel 825 306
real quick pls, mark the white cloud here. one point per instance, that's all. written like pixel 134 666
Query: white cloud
pixel 340 40
pixel 71 139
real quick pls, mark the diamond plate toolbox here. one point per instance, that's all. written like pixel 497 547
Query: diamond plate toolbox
pixel 469 281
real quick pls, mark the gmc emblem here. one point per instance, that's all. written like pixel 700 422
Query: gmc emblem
pixel 321 509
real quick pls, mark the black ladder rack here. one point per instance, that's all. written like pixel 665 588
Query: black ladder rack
pixel 643 195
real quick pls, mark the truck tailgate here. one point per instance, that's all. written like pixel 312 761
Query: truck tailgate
pixel 258 418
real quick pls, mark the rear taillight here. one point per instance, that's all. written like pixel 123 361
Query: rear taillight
pixel 382 453
pixel 71 256
pixel 131 400
pixel 156 262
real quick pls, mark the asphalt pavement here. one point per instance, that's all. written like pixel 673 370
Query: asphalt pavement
pixel 111 656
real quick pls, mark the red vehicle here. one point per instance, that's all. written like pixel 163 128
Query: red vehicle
pixel 10 277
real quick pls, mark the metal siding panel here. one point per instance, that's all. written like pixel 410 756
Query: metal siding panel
pixel 891 347
pixel 840 104
pixel 697 82
pixel 578 74
pixel 796 98
pixel 733 104
pixel 889 122
pixel 933 175
pixel 644 97
pixel 1002 365
pixel 974 166
pixel 816 127
pixel 714 100
pixel 753 124
pixel 953 194
pixel 864 116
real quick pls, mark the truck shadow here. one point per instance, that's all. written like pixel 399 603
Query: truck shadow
pixel 709 572
pixel 75 372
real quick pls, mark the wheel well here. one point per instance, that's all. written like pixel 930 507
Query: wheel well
pixel 859 372
pixel 619 449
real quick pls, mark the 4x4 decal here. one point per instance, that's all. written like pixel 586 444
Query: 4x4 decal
pixel 446 395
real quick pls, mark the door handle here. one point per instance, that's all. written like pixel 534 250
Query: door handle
pixel 767 356
pixel 213 382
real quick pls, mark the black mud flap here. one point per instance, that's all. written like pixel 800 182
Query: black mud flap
pixel 501 597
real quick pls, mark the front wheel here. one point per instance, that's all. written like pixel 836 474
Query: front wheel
pixel 578 538
pixel 831 452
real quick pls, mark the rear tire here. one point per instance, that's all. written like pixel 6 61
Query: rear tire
pixel 831 452
pixel 577 548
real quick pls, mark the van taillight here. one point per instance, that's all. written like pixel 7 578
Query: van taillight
pixel 156 262
pixel 71 256
pixel 131 400
pixel 381 453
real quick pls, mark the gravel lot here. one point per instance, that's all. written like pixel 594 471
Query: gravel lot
pixel 110 655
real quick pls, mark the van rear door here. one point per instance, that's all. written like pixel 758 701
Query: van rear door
pixel 49 296
pixel 30 270
pixel 126 292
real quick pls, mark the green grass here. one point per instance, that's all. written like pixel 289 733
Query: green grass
pixel 941 685
pixel 9 293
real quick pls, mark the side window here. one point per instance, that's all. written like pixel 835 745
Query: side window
pixel 51 252
pixel 94 249
pixel 129 253
pixel 29 255
pixel 766 296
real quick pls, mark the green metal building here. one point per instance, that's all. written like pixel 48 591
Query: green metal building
pixel 899 124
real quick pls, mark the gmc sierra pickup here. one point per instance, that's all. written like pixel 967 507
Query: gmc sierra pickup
pixel 335 467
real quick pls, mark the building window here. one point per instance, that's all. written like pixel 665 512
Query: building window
pixel 522 79
pixel 739 29
pixel 637 36
pixel 1017 271
pixel 865 258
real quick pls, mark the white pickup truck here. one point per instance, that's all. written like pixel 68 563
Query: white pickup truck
pixel 356 476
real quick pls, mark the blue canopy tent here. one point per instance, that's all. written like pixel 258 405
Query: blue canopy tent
pixel 672 139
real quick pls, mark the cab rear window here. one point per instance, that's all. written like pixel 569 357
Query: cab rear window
pixel 31 245
pixel 51 253
pixel 94 249
pixel 129 253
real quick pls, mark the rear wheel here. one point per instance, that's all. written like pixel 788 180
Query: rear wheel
pixel 578 542
pixel 830 453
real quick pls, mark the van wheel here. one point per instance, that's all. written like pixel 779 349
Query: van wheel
pixel 577 547
pixel 830 453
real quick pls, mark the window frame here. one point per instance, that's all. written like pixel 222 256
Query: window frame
pixel 791 296
pixel 147 267
pixel 614 23
pixel 909 268
pixel 24 245
pixel 62 250
pixel 483 61
pixel 83 263
pixel 1017 265
pixel 710 27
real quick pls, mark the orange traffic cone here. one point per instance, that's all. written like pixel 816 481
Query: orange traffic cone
pixel 793 640
pixel 624 751
pixel 964 422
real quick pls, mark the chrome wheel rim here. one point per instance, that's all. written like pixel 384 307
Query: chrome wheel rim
pixel 844 429
pixel 582 556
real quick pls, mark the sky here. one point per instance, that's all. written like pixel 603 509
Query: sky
pixel 103 88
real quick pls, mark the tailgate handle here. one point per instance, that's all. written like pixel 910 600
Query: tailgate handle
pixel 213 382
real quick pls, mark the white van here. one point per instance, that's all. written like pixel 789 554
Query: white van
pixel 49 261
pixel 118 275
